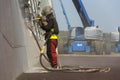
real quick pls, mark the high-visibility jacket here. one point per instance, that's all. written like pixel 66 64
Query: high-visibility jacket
pixel 53 36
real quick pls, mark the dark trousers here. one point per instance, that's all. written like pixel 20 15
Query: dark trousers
pixel 51 51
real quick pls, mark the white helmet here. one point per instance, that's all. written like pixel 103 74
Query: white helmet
pixel 47 10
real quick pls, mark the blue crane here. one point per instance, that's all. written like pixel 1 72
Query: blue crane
pixel 86 21
pixel 77 42
pixel 116 48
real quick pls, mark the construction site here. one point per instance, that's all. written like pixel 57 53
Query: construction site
pixel 83 53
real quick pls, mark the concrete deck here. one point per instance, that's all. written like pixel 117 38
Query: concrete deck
pixel 87 61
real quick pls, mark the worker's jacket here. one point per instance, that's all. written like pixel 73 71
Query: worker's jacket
pixel 51 28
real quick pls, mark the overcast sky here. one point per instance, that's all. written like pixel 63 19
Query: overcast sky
pixel 105 13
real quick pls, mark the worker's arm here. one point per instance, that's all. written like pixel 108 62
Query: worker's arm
pixel 47 25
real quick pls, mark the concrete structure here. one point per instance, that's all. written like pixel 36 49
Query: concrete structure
pixel 18 51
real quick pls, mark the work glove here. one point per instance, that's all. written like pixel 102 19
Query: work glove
pixel 45 23
pixel 43 18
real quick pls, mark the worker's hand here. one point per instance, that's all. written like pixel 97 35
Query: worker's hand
pixel 43 50
pixel 44 18
pixel 45 23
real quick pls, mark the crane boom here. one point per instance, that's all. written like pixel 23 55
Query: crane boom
pixel 86 21
pixel 64 12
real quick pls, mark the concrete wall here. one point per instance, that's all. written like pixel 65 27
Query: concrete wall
pixel 17 49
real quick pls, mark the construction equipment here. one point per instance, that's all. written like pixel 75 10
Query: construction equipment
pixel 80 38
pixel 115 39
pixel 118 46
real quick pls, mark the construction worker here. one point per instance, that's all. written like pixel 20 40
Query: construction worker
pixel 50 26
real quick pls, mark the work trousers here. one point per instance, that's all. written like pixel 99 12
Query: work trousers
pixel 51 51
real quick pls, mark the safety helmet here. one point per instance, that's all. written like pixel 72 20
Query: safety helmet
pixel 47 10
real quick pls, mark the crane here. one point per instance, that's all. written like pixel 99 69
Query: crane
pixel 115 38
pixel 86 21
pixel 79 41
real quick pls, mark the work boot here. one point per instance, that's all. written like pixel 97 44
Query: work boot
pixel 54 65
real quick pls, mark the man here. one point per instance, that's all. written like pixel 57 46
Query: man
pixel 50 25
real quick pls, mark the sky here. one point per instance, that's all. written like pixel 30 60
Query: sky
pixel 105 13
